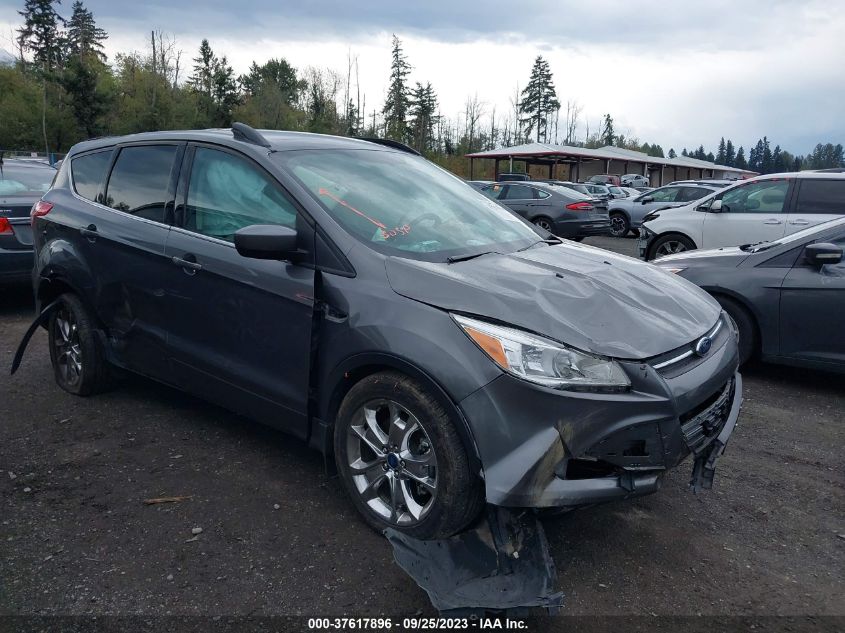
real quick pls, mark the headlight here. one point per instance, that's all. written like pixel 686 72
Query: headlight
pixel 542 361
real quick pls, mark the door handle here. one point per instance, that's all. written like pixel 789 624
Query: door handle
pixel 799 222
pixel 772 221
pixel 190 267
pixel 89 233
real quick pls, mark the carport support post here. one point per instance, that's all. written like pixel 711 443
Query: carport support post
pixel 496 170
pixel 578 170
pixel 510 169
pixel 472 169
pixel 607 165
pixel 645 171
pixel 662 167
pixel 552 171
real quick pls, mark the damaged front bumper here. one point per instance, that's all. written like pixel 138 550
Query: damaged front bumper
pixel 544 448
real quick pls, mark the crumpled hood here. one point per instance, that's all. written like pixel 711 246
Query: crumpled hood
pixel 586 297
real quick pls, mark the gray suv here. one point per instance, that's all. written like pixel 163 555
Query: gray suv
pixel 626 214
pixel 443 351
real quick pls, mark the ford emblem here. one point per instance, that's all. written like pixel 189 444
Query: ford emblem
pixel 703 346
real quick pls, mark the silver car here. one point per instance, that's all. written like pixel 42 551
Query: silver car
pixel 627 214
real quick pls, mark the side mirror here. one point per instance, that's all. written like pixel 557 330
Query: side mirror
pixel 715 206
pixel 647 199
pixel 822 253
pixel 267 241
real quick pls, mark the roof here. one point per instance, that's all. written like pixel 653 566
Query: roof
pixel 608 152
pixel 279 140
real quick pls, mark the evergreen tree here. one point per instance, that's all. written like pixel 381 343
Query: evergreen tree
pixel 607 135
pixel 710 158
pixel 778 160
pixel 721 152
pixel 423 103
pixel 797 163
pixel 740 159
pixel 41 34
pixel 730 153
pixel 766 157
pixel 684 152
pixel 88 103
pixel 202 79
pixel 84 37
pixel 225 92
pixel 276 74
pixel 538 101
pixel 396 107
pixel 672 153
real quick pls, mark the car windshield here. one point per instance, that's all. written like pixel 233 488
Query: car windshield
pixel 794 237
pixel 17 180
pixel 400 204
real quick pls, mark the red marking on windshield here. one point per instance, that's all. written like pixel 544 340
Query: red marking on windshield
pixel 326 192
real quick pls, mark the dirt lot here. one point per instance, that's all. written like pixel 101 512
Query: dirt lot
pixel 278 536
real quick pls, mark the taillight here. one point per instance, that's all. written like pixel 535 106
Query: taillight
pixel 5 227
pixel 579 206
pixel 40 209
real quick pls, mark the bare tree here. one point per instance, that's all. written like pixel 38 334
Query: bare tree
pixel 473 111
pixel 573 110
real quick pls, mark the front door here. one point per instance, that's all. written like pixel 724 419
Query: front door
pixel 750 213
pixel 240 328
pixel 812 303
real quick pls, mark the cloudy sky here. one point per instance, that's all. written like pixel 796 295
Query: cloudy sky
pixel 678 73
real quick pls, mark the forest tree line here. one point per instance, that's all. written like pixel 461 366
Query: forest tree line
pixel 63 89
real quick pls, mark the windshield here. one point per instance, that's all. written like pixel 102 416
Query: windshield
pixel 17 180
pixel 400 204
pixel 794 237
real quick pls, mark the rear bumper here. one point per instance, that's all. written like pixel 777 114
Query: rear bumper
pixel 582 227
pixel 15 265
pixel 545 448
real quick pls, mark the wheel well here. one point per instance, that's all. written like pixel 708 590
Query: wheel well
pixel 716 294
pixel 50 288
pixel 650 253
pixel 350 377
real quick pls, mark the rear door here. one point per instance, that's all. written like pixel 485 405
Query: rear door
pixel 811 307
pixel 817 201
pixel 750 213
pixel 124 237
pixel 520 198
pixel 240 329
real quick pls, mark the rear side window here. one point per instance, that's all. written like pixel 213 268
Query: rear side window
pixel 139 180
pixel 822 196
pixel 519 192
pixel 688 194
pixel 88 173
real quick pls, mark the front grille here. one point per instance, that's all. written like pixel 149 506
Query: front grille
pixel 681 360
pixel 702 424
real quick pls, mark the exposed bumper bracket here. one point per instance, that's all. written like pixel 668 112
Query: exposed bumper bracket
pixel 704 467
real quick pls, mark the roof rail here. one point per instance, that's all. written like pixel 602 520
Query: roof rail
pixel 390 143
pixel 243 132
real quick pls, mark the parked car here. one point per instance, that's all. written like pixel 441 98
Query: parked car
pixel 756 210
pixel 634 180
pixel 479 184
pixel 445 352
pixel 22 183
pixel 644 189
pixel 632 193
pixel 513 177
pixel 786 296
pixel 558 210
pixel 605 179
pixel 626 214
pixel 617 192
pixel 598 191
pixel 599 201
pixel 715 182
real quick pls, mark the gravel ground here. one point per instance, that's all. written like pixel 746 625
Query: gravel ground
pixel 278 537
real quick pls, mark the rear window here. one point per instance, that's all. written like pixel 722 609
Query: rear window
pixel 822 196
pixel 88 173
pixel 139 180
pixel 519 192
pixel 18 180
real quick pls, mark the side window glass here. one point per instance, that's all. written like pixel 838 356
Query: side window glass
pixel 227 193
pixel 767 196
pixel 542 194
pixel 821 196
pixel 493 191
pixel 88 173
pixel 664 195
pixel 689 194
pixel 519 192
pixel 139 179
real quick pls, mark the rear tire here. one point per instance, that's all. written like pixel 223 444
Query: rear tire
pixel 401 460
pixel 746 326
pixel 76 354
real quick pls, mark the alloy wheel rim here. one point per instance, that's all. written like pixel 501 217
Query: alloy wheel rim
pixel 392 462
pixel 543 224
pixel 670 248
pixel 617 225
pixel 68 348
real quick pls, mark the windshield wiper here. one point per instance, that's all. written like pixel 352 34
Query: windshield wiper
pixel 462 258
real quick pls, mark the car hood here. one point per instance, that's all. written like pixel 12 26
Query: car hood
pixel 585 297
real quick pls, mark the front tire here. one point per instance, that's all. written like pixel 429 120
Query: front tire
pixel 79 365
pixel 619 225
pixel 671 244
pixel 401 460
pixel 745 324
